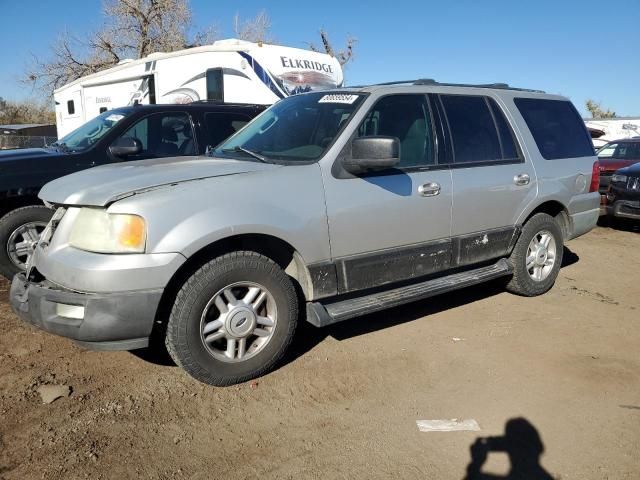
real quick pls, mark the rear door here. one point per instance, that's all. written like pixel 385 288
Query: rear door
pixel 491 181
pixel 392 225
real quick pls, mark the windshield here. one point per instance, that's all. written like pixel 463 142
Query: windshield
pixel 296 129
pixel 86 135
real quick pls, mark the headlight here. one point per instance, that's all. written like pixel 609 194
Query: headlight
pixel 96 230
pixel 616 177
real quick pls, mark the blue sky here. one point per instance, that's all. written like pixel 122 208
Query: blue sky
pixel 579 48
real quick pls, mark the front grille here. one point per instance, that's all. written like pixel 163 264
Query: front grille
pixel 633 183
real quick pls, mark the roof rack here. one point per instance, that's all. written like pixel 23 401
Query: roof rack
pixel 431 81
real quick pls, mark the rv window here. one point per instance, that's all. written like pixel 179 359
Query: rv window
pixel 215 84
pixel 221 126
pixel 103 109
pixel 71 108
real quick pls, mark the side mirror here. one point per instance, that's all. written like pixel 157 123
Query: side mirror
pixel 125 146
pixel 372 153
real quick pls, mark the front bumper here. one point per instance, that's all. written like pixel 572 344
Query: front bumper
pixel 624 209
pixel 114 321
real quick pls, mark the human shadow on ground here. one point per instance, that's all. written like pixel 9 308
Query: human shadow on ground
pixel 523 445
pixel 308 337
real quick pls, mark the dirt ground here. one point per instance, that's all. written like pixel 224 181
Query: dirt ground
pixel 345 404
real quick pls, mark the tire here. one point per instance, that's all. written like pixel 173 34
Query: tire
pixel 523 281
pixel 31 221
pixel 197 311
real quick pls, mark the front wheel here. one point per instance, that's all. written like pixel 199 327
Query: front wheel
pixel 537 256
pixel 20 230
pixel 233 319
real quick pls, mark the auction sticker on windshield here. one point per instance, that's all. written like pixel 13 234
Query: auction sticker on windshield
pixel 114 117
pixel 338 98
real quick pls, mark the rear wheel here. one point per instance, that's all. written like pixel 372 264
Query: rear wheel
pixel 20 230
pixel 537 256
pixel 233 319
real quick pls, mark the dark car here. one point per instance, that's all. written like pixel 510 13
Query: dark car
pixel 615 155
pixel 623 195
pixel 122 134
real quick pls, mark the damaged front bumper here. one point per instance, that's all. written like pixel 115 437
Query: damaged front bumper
pixel 112 321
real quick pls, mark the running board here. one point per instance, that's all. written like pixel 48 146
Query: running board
pixel 321 315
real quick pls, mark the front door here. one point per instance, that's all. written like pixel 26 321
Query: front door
pixel 392 225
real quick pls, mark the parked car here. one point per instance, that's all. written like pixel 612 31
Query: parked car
pixel 326 207
pixel 615 155
pixel 623 196
pixel 122 134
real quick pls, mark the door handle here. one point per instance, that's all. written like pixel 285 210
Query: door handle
pixel 522 179
pixel 430 189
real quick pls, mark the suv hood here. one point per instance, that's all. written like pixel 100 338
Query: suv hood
pixel 103 185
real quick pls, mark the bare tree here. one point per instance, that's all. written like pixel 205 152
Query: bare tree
pixel 12 112
pixel 597 111
pixel 344 55
pixel 257 29
pixel 132 29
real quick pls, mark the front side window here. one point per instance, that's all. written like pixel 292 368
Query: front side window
pixel 297 129
pixel 221 126
pixel 163 135
pixel 407 118
pixel 86 135
pixel 557 128
pixel 473 130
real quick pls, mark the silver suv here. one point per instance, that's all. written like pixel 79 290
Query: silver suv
pixel 325 207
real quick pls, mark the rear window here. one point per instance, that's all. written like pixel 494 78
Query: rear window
pixel 556 127
pixel 221 125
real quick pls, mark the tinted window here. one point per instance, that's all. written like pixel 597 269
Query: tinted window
pixel 71 108
pixel 215 86
pixel 473 130
pixel 163 135
pixel 407 118
pixel 627 151
pixel 221 126
pixel 556 127
pixel 505 134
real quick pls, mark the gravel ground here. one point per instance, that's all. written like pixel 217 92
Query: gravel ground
pixel 345 403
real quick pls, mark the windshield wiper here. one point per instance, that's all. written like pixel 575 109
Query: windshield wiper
pixel 61 147
pixel 255 155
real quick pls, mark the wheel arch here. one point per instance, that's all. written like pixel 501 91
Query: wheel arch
pixel 278 250
pixel 9 203
pixel 557 210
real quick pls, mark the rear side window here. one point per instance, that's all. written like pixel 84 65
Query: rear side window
pixel 556 127
pixel 221 126
pixel 479 131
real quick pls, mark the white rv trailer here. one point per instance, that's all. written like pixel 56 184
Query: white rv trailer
pixel 232 71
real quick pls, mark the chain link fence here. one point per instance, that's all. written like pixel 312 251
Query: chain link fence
pixel 20 141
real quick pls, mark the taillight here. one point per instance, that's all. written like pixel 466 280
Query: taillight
pixel 595 177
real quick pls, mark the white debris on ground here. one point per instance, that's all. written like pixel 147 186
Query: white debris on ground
pixel 50 393
pixel 453 425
